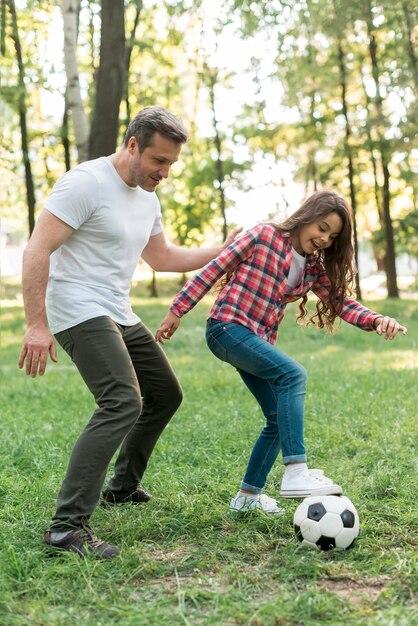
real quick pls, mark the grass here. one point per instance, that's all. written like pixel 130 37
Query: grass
pixel 185 559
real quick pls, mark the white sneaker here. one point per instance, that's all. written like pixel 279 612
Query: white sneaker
pixel 320 474
pixel 306 483
pixel 243 502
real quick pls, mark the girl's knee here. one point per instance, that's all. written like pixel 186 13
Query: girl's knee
pixel 295 374
pixel 302 374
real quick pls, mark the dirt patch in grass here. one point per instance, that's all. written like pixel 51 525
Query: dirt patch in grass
pixel 181 554
pixel 356 590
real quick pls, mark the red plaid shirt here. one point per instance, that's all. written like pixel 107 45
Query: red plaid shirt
pixel 256 295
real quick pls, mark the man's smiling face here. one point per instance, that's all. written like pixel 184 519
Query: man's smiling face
pixel 149 167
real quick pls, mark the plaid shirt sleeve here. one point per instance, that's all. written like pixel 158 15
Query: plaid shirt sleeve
pixel 352 311
pixel 195 288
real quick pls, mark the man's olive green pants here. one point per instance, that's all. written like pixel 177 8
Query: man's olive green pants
pixel 136 392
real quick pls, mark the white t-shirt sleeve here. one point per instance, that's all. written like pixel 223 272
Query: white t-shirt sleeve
pixel 158 225
pixel 74 197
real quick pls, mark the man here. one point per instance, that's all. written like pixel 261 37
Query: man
pixel 100 217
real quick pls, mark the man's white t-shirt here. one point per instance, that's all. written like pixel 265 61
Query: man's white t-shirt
pixel 91 273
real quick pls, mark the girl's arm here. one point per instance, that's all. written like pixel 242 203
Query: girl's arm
pixel 358 315
pixel 193 291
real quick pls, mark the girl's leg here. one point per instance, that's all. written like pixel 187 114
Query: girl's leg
pixel 271 374
pixel 267 447
pixel 268 372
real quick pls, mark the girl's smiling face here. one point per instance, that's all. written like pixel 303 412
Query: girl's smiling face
pixel 317 235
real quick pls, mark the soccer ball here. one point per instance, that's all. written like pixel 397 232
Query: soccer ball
pixel 326 522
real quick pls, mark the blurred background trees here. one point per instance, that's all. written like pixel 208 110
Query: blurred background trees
pixel 282 97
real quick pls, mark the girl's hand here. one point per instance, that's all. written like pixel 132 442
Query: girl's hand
pixel 167 327
pixel 389 327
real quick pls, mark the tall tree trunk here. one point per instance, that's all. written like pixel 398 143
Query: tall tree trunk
pixel 30 190
pixel 74 103
pixel 349 155
pixel 153 288
pixel 211 80
pixel 128 53
pixel 411 42
pixel 65 136
pixel 312 152
pixel 3 28
pixel 390 258
pixel 372 155
pixel 110 80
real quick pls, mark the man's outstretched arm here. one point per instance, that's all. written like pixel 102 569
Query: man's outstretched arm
pixel 164 256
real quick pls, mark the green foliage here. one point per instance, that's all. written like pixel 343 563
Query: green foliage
pixel 302 122
pixel 185 559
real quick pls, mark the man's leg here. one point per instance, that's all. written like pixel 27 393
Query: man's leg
pixel 100 354
pixel 162 396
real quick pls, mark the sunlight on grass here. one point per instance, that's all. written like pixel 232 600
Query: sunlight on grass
pixel 184 558
pixel 395 360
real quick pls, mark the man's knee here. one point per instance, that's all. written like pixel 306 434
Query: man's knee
pixel 172 397
pixel 123 400
pixel 167 399
pixel 177 397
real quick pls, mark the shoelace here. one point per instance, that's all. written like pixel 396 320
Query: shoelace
pixel 267 500
pixel 89 536
pixel 320 479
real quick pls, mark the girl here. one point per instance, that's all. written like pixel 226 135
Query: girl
pixel 267 267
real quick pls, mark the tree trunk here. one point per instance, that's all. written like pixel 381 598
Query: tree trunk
pixel 372 156
pixel 312 152
pixel 128 53
pixel 349 154
pixel 153 289
pixel 390 256
pixel 411 42
pixel 65 136
pixel 3 28
pixel 30 190
pixel 110 80
pixel 211 80
pixel 74 102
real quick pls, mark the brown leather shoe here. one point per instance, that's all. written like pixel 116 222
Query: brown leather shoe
pixel 109 498
pixel 83 542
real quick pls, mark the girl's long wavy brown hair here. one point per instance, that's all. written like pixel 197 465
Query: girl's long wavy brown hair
pixel 337 260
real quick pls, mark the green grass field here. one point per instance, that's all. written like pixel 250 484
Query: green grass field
pixel 185 559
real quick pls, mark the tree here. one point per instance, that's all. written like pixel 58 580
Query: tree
pixel 73 101
pixel 110 80
pixel 30 189
pixel 390 258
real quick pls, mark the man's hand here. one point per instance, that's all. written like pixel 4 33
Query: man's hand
pixel 389 327
pixel 167 327
pixel 231 236
pixel 37 343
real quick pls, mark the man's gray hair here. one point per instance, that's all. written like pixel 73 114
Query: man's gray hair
pixel 151 120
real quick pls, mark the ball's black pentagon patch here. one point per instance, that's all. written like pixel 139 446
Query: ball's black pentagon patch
pixel 348 519
pixel 326 543
pixel 297 532
pixel 316 511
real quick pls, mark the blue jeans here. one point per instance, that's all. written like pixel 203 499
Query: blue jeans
pixel 279 385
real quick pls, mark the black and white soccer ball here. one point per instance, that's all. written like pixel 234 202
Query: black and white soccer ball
pixel 326 522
